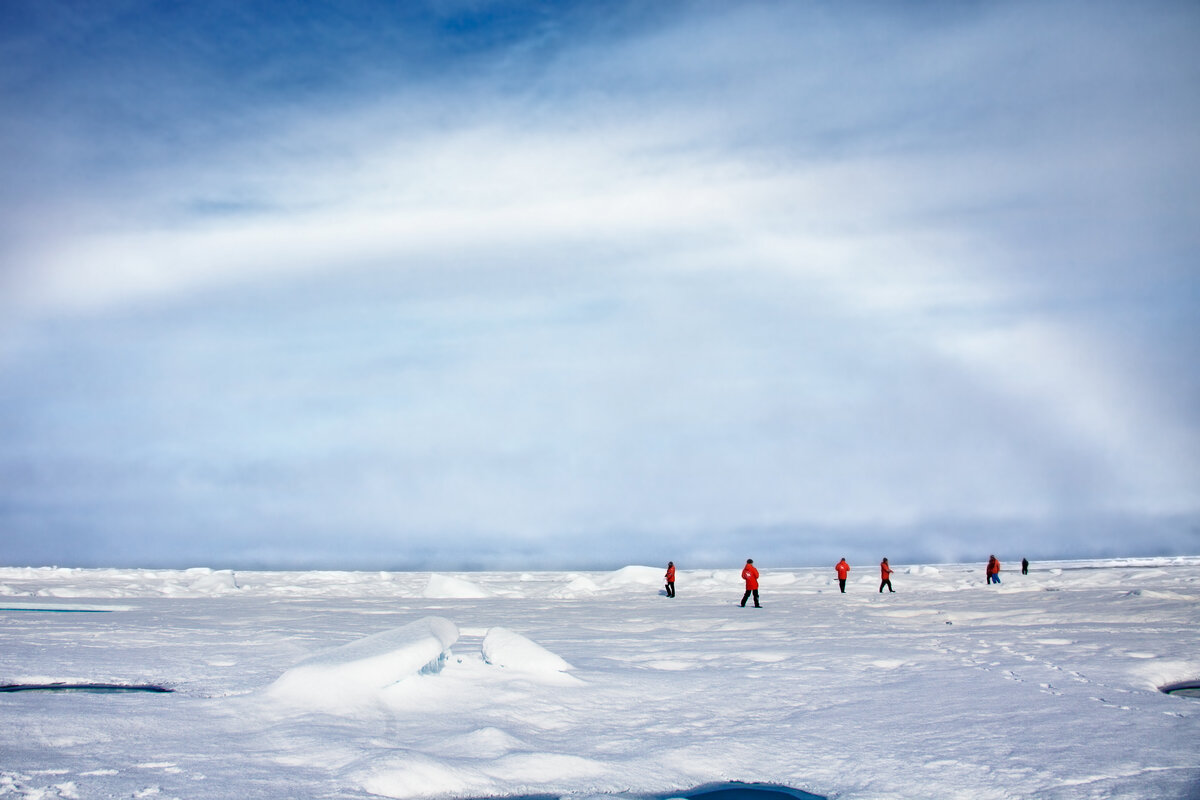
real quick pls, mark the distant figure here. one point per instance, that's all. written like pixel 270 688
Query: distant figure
pixel 670 579
pixel 750 576
pixel 1024 566
pixel 843 569
pixel 885 573
pixel 993 570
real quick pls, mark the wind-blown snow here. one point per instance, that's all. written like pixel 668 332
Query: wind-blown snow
pixel 322 684
pixel 445 586
pixel 335 677
pixel 504 648
pixel 641 576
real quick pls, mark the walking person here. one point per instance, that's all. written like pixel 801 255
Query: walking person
pixel 885 574
pixel 670 576
pixel 750 576
pixel 843 569
pixel 993 570
pixel 1024 566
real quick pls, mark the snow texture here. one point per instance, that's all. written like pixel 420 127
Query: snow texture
pixel 335 677
pixel 505 648
pixel 327 684
pixel 445 586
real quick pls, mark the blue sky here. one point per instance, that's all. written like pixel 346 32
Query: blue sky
pixel 488 285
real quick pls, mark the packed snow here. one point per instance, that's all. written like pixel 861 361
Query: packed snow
pixel 504 648
pixel 411 685
pixel 336 678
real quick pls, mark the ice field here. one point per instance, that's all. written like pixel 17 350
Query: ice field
pixel 414 685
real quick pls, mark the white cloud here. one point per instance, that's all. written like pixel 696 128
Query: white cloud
pixel 732 274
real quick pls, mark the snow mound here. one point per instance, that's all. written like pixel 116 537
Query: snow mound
pixel 207 581
pixel 415 775
pixel 577 586
pixel 505 648
pixel 367 665
pixel 446 587
pixel 487 742
pixel 642 576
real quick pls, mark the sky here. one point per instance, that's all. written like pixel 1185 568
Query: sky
pixel 492 285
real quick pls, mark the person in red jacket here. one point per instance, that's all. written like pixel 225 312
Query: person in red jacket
pixel 843 569
pixel 885 573
pixel 993 570
pixel 670 579
pixel 750 576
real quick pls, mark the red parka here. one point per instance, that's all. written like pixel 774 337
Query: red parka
pixel 843 569
pixel 671 574
pixel 750 576
pixel 884 570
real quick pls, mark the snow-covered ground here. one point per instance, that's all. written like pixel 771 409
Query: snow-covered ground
pixel 408 685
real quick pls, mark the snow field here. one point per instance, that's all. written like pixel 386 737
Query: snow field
pixel 595 683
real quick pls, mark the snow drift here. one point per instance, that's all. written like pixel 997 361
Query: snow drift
pixel 504 648
pixel 361 668
pixel 446 587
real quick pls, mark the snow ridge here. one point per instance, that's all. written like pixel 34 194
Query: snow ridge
pixel 366 665
pixel 504 648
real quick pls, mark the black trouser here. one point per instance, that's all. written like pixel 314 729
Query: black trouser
pixel 746 597
pixel 670 588
pixel 888 583
pixel 842 583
